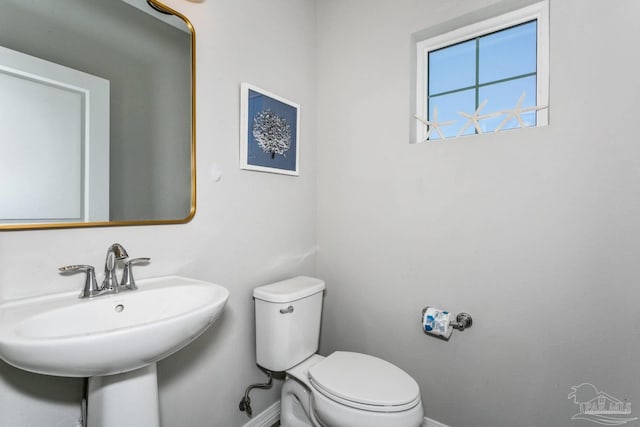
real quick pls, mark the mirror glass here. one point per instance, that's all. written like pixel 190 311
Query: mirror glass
pixel 96 114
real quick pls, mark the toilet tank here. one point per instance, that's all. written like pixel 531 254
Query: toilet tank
pixel 287 322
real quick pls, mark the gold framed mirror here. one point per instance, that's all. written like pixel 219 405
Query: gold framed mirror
pixel 97 114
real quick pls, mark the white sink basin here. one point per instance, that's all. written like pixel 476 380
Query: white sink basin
pixel 64 335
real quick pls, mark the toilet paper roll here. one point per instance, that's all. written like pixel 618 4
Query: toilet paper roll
pixel 436 322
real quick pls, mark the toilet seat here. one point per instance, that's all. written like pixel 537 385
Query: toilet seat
pixel 364 382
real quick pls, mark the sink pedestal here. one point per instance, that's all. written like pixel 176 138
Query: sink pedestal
pixel 128 399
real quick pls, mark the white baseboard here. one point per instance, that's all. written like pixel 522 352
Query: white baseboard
pixel 269 416
pixel 428 422
pixel 266 418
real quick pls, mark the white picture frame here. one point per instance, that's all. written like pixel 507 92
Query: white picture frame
pixel 269 132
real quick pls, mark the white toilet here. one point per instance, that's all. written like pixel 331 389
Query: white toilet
pixel 344 389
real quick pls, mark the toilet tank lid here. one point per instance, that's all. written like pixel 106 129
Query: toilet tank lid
pixel 289 290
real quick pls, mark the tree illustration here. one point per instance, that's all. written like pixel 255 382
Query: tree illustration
pixel 272 132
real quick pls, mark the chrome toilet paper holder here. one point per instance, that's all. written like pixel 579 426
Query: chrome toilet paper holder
pixel 463 321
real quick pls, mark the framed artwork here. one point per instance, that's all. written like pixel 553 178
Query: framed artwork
pixel 269 131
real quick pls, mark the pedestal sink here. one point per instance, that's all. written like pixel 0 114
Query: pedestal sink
pixel 115 340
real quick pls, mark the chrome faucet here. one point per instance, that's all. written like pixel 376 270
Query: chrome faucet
pixel 110 283
pixel 115 253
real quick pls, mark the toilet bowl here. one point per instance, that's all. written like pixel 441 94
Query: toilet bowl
pixel 349 390
pixel 344 389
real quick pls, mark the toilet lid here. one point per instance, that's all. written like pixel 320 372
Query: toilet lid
pixel 364 379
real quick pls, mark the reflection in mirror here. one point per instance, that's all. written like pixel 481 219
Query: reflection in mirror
pixel 96 114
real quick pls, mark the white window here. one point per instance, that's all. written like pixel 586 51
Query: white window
pixel 486 77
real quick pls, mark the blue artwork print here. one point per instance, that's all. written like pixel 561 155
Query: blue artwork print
pixel 271 133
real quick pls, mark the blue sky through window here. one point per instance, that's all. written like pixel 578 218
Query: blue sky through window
pixel 497 68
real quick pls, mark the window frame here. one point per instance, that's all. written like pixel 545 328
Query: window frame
pixel 537 11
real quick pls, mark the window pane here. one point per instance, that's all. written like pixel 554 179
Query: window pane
pixel 504 97
pixel 448 107
pixel 452 67
pixel 508 53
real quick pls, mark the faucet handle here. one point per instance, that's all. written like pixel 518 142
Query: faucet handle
pixel 127 275
pixel 90 288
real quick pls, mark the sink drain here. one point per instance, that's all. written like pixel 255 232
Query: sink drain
pixel 119 308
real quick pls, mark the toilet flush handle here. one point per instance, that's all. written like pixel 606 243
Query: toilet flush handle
pixel 286 310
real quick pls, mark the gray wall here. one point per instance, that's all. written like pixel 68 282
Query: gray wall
pixel 250 228
pixel 534 232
